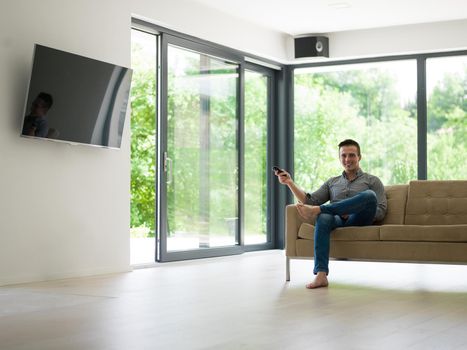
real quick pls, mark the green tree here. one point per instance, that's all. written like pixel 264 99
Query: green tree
pixel 143 134
pixel 362 104
pixel 447 104
pixel 255 156
pixel 447 127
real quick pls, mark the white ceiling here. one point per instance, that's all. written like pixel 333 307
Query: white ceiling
pixel 296 17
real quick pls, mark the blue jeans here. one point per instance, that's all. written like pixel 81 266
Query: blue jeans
pixel 361 210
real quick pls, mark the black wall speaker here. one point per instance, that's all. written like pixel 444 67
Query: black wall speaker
pixel 312 46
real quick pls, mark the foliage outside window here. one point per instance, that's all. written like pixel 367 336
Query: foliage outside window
pixel 256 114
pixel 202 193
pixel 447 118
pixel 371 103
pixel 143 134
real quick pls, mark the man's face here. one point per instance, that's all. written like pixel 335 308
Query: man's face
pixel 349 158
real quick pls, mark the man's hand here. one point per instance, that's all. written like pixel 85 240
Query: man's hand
pixel 285 179
pixel 308 212
pixel 283 176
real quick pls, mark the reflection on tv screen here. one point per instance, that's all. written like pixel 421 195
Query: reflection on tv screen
pixel 76 99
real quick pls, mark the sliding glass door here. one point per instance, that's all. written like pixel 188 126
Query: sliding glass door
pixel 215 112
pixel 201 141
pixel 199 150
pixel 202 155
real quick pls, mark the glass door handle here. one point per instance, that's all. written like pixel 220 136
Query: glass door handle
pixel 168 168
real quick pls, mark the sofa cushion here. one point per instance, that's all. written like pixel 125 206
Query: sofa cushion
pixel 397 197
pixel 306 231
pixel 437 203
pixel 423 233
pixel 351 233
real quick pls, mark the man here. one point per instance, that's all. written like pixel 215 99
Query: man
pixel 355 199
pixel 35 124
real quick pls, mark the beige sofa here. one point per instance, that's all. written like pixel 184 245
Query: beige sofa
pixel 426 221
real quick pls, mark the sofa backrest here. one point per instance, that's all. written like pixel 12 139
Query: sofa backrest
pixel 397 197
pixel 437 202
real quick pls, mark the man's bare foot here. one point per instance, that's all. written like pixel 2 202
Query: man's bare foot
pixel 320 281
pixel 308 212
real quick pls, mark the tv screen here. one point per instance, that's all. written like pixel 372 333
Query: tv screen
pixel 76 99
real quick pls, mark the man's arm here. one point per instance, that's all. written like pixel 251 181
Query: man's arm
pixel 378 187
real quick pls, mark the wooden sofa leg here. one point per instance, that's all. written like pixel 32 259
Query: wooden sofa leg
pixel 287 269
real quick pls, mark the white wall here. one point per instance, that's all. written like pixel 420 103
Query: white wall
pixel 64 210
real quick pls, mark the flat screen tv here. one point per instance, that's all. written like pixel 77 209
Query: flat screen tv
pixel 76 99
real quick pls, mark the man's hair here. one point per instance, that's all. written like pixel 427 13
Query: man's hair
pixel 47 98
pixel 350 142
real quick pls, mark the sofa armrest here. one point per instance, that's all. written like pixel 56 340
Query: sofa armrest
pixel 293 221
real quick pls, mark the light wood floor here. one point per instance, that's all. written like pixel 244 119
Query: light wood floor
pixel 242 302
